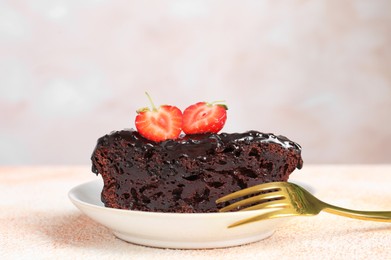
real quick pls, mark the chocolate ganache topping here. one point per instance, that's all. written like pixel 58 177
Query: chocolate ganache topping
pixel 195 146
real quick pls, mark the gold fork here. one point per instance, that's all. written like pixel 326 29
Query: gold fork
pixel 289 199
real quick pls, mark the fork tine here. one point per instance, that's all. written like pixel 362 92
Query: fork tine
pixel 252 200
pixel 248 191
pixel 274 214
pixel 268 205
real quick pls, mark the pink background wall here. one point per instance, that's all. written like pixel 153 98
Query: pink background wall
pixel 316 71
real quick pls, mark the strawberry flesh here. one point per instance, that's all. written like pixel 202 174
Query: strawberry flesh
pixel 204 117
pixel 159 124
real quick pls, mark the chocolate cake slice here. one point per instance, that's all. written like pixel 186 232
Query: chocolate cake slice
pixel 188 174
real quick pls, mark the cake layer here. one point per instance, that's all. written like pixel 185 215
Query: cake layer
pixel 188 174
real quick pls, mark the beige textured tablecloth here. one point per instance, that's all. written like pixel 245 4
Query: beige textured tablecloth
pixel 38 221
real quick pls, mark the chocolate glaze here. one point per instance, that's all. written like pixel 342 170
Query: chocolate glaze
pixel 188 174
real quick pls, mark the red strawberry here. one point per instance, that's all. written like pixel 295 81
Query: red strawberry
pixel 159 124
pixel 204 117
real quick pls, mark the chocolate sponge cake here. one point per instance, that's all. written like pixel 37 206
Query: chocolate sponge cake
pixel 188 174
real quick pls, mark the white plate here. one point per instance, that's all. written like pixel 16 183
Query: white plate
pixel 172 230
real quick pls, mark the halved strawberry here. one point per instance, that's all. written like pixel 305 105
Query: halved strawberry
pixel 204 117
pixel 159 124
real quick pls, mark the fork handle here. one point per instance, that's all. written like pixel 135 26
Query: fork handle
pixel 382 216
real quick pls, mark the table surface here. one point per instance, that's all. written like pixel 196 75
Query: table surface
pixel 38 220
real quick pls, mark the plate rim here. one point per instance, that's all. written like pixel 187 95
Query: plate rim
pixel 224 237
